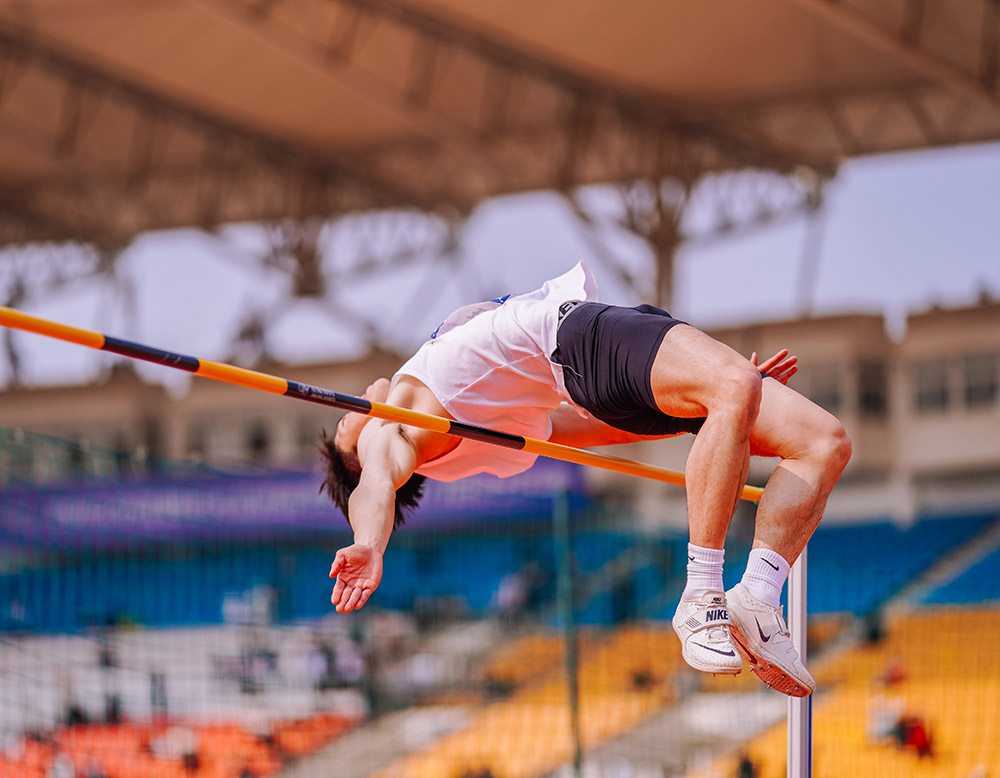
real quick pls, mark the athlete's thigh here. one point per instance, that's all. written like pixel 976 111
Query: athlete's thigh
pixel 686 372
pixel 787 423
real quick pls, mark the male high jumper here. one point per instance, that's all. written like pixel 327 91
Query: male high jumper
pixel 556 364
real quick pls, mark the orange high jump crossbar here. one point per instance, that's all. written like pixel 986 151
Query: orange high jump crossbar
pixel 269 383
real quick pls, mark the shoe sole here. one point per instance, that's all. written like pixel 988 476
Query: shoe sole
pixel 707 668
pixel 712 670
pixel 767 671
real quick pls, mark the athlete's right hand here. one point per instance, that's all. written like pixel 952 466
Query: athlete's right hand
pixel 780 367
pixel 358 570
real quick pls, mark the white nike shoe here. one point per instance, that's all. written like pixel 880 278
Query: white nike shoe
pixel 761 635
pixel 703 627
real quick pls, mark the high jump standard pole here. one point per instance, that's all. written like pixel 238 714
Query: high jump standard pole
pixel 264 382
pixel 799 708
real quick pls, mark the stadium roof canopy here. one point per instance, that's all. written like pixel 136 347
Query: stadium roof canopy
pixel 121 116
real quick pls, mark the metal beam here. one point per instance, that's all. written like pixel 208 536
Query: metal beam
pixel 904 47
pixel 26 48
pixel 433 35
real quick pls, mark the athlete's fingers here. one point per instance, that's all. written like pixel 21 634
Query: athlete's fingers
pixel 772 362
pixel 780 368
pixel 787 369
pixel 345 598
pixel 352 603
pixel 753 359
pixel 365 594
pixel 338 592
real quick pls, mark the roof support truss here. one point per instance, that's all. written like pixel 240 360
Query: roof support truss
pixel 905 40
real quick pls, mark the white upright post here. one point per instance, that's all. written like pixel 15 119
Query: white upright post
pixel 799 708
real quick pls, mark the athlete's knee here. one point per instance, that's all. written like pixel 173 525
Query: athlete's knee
pixel 832 447
pixel 737 390
pixel 841 448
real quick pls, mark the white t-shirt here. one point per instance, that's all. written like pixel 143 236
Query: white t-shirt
pixel 489 365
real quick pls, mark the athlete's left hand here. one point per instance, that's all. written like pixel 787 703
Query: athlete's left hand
pixel 778 367
pixel 358 570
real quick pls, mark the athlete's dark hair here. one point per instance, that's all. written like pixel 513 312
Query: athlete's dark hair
pixel 343 471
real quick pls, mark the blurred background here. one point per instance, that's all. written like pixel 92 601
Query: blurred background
pixel 307 187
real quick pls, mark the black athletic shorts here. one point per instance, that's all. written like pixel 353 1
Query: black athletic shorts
pixel 607 353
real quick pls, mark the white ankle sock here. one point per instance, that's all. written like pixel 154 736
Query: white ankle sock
pixel 704 571
pixel 765 575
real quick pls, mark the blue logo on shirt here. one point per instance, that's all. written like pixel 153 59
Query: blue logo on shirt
pixel 497 300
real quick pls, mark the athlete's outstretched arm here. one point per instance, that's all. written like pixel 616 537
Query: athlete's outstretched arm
pixel 389 460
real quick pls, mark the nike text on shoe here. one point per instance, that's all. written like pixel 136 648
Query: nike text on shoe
pixel 703 628
pixel 760 634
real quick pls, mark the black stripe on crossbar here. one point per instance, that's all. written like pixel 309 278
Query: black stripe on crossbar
pixel 322 396
pixel 138 351
pixel 484 435
pixel 349 403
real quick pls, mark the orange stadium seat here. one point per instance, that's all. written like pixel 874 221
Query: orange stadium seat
pixel 623 679
pixel 224 749
pixel 950 681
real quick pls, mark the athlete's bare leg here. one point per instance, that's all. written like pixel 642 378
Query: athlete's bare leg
pixel 695 375
pixel 814 451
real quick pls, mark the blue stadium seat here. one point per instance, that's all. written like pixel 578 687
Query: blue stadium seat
pixel 980 582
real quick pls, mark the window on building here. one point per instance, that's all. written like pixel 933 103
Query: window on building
pixel 258 442
pixel 122 454
pixel 308 436
pixel 152 436
pixel 873 390
pixel 931 385
pixel 77 458
pixel 823 382
pixel 197 446
pixel 980 379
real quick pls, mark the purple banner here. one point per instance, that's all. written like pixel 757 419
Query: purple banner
pixel 272 504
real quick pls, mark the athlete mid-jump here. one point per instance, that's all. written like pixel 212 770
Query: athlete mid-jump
pixel 556 364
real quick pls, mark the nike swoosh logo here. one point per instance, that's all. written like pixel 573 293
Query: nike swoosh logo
pixel 772 565
pixel 763 637
pixel 690 557
pixel 730 652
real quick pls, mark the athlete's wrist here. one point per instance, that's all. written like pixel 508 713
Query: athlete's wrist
pixel 375 545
